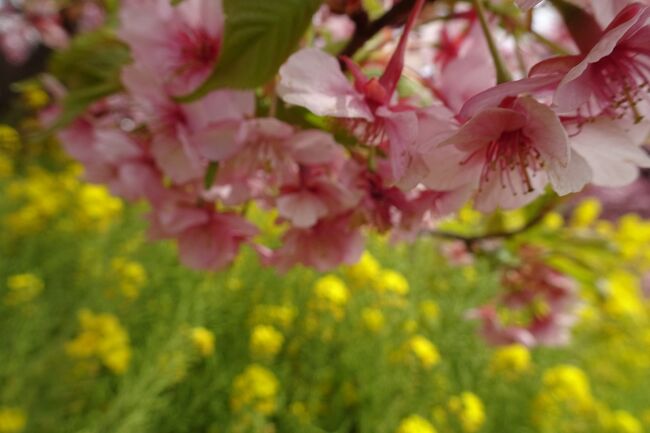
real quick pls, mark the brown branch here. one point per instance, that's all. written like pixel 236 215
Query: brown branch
pixel 366 30
pixel 470 241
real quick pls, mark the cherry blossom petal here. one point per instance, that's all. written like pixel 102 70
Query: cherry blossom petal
pixel 313 79
pixel 302 208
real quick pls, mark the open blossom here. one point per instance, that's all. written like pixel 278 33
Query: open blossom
pixel 313 79
pixel 324 246
pixel 603 96
pixel 23 25
pixel 316 189
pixel 207 240
pixel 537 307
pixel 613 77
pixel 180 43
pixel 613 150
pixel 509 148
pixel 181 133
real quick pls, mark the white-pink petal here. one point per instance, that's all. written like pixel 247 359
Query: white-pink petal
pixel 313 79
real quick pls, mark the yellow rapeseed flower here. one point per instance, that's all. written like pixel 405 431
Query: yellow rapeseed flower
pixel 586 213
pixel 429 310
pixel 12 420
pixel 34 96
pixel 622 421
pixel 624 296
pixel 203 341
pixel 553 221
pixel 256 388
pixel 102 338
pixel 23 288
pixel 279 315
pixel 424 350
pixel 96 208
pixel 511 361
pixel 130 276
pixel 415 424
pixel 9 139
pixel 266 341
pixel 373 319
pixel 331 295
pixel 567 385
pixel 389 281
pixel 6 167
pixel 364 272
pixel 469 410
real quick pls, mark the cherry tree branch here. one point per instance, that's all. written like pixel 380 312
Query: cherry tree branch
pixel 470 241
pixel 366 29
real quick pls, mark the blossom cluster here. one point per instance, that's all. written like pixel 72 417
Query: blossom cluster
pixel 24 24
pixel 367 156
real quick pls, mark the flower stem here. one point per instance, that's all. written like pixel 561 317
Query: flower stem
pixel 503 75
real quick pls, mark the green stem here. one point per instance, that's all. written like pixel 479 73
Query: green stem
pixel 210 174
pixel 503 75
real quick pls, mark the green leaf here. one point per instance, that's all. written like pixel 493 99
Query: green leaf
pixel 259 36
pixel 90 70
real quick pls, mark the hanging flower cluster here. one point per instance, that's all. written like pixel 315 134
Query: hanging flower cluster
pixel 365 154
pixel 24 24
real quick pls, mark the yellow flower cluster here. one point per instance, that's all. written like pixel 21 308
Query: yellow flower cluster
pixel 424 351
pixel 415 424
pixel 23 288
pixel 102 338
pixel 256 388
pixel 469 410
pixel 265 341
pixel 331 295
pixel 390 281
pixel 130 277
pixel 373 319
pixel 41 196
pixel 368 273
pixel 203 341
pixel 623 297
pixel 511 361
pixel 9 140
pixel 278 315
pixel 586 213
pixel 12 420
pixel 364 272
pixel 33 95
pixel 95 207
pixel 565 402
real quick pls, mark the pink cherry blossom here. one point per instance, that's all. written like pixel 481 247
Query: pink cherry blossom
pixel 543 300
pixel 181 133
pixel 510 147
pixel 25 26
pixel 180 43
pixel 612 78
pixel 207 240
pixel 329 243
pixel 612 149
pixel 313 79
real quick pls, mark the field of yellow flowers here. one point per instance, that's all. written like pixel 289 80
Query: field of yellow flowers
pixel 103 332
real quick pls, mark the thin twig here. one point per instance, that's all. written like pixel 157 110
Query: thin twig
pixel 470 241
pixel 366 30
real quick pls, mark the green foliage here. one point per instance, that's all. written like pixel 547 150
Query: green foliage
pixel 90 70
pixel 105 332
pixel 261 33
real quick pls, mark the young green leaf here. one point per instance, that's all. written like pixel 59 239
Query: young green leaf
pixel 259 36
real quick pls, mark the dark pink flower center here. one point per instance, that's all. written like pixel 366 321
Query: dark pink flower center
pixel 513 158
pixel 622 79
pixel 198 50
